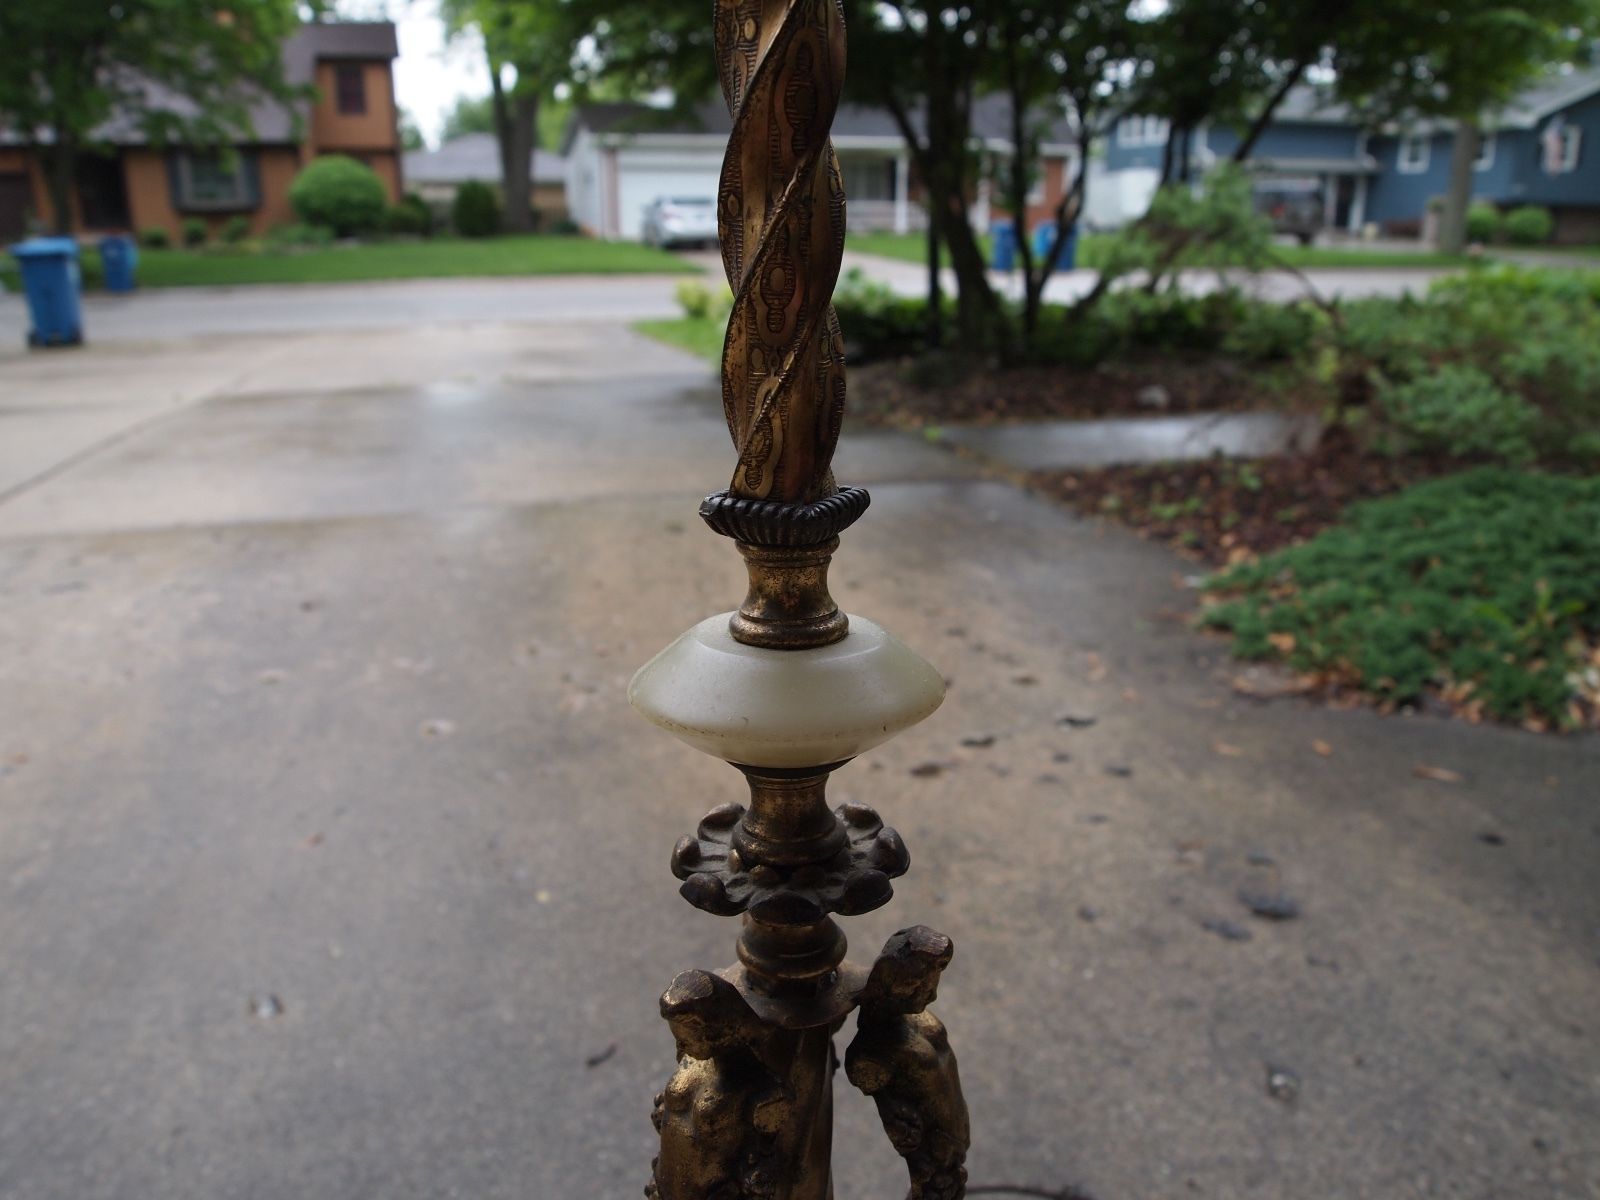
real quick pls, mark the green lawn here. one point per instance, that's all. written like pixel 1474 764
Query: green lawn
pixel 913 247
pixel 428 259
pixel 698 335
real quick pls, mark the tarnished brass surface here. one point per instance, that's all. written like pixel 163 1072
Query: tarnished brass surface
pixel 788 606
pixel 780 215
pixel 901 1057
pixel 749 1113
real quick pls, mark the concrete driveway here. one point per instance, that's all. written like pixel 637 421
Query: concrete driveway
pixel 334 864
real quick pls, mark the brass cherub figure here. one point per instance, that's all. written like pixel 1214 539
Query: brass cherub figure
pixel 901 1057
pixel 721 1110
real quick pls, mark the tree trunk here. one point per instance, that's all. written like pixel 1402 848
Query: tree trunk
pixel 1453 220
pixel 500 107
pixel 1264 118
pixel 941 159
pixel 518 184
pixel 935 292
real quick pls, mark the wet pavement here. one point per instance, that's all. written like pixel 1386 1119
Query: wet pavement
pixel 335 865
pixel 1047 445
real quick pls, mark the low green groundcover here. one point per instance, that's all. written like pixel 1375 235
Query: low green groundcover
pixel 1483 587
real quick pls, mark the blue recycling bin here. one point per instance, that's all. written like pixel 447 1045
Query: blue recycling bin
pixel 1003 254
pixel 118 258
pixel 51 281
pixel 1044 240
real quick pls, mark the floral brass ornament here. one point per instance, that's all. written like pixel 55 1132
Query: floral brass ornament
pixel 748 1115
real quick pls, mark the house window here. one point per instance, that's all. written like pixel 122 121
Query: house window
pixel 868 178
pixel 350 85
pixel 1413 157
pixel 1143 131
pixel 1485 158
pixel 1561 144
pixel 214 182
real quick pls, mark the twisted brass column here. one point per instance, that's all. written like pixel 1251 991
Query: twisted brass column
pixel 788 689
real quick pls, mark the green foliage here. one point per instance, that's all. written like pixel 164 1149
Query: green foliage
pixel 701 303
pixel 1187 228
pixel 1529 225
pixel 877 322
pixel 1483 223
pixel 1485 584
pixel 69 67
pixel 565 227
pixel 340 193
pixel 1460 410
pixel 411 216
pixel 155 238
pixel 469 114
pixel 194 232
pixel 476 212
pixel 299 236
pixel 235 229
pixel 1503 362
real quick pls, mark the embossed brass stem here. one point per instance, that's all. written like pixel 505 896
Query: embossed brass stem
pixel 748 1115
pixel 788 606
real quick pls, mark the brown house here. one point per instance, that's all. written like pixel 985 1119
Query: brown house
pixel 132 185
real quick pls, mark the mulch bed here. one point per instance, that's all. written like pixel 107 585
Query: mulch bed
pixel 1221 511
pixel 944 390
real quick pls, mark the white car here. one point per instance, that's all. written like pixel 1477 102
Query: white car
pixel 680 221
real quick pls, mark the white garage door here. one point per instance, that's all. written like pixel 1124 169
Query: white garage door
pixel 644 175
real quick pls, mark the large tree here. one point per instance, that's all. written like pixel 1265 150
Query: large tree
pixel 1061 67
pixel 531 47
pixel 924 63
pixel 67 67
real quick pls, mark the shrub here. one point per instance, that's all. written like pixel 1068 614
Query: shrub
pixel 410 216
pixel 476 212
pixel 877 323
pixel 695 299
pixel 1529 225
pixel 1483 223
pixel 295 236
pixel 565 227
pixel 1460 410
pixel 1484 584
pixel 1269 332
pixel 235 229
pixel 1478 342
pixel 155 238
pixel 338 192
pixel 194 231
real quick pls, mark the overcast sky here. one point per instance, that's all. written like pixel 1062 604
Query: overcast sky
pixel 429 74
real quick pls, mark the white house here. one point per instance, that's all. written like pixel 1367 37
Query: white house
pixel 620 157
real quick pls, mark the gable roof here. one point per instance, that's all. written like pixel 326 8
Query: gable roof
pixel 475 156
pixel 1550 95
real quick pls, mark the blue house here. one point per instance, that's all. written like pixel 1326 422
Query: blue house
pixel 1534 152
pixel 1313 146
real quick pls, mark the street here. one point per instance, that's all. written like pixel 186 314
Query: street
pixel 335 863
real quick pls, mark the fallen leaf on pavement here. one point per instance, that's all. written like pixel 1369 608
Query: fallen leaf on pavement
pixel 1437 774
pixel 1227 749
pixel 1322 747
